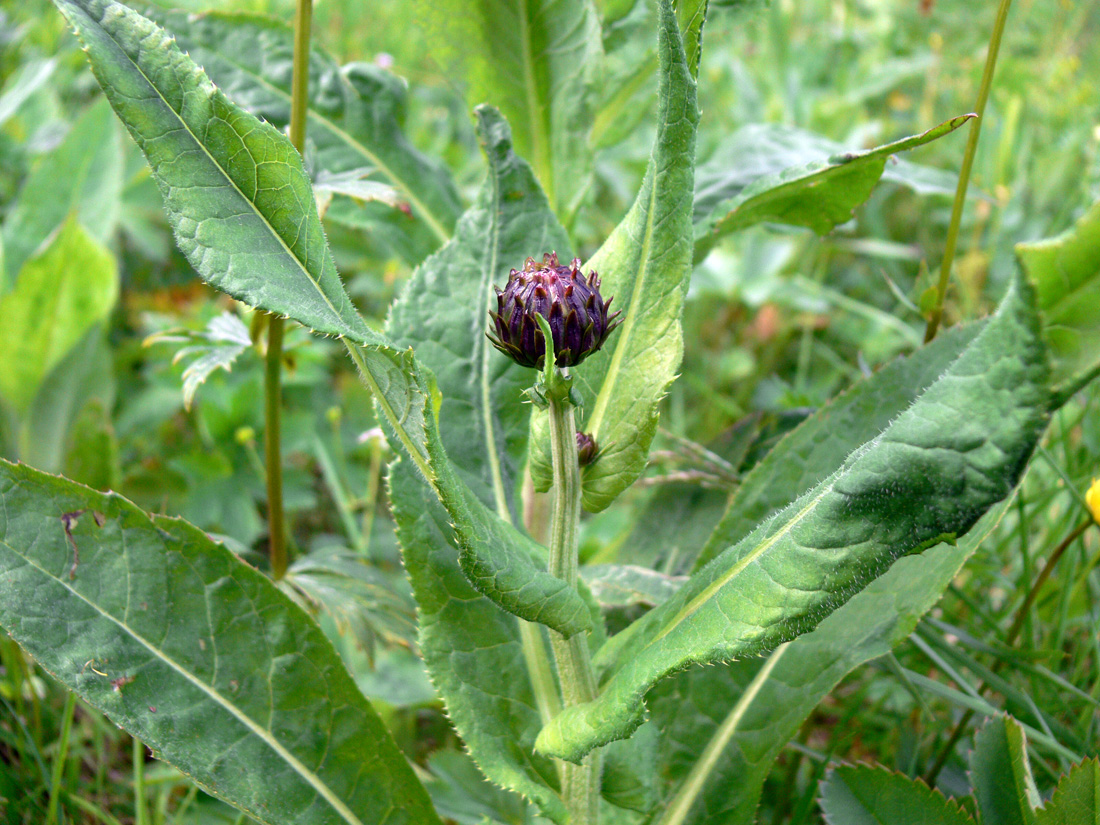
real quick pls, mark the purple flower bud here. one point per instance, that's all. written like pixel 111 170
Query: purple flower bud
pixel 577 314
pixel 587 449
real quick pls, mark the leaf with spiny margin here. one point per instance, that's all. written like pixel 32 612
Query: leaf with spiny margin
pixel 234 188
pixel 873 795
pixel 196 654
pixel 1076 800
pixel 472 648
pixel 1066 272
pixel 645 264
pixel 60 294
pixel 355 112
pixel 723 727
pixel 818 194
pixel 535 60
pixel 820 444
pixel 83 177
pixel 443 314
pixel 726 739
pixel 1001 774
pixel 929 476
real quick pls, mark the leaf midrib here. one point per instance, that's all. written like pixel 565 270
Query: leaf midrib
pixel 354 144
pixel 187 128
pixel 263 734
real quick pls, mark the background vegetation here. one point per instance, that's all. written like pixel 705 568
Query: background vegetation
pixel 777 321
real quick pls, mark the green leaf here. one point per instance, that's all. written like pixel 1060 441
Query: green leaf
pixel 473 650
pixel 234 189
pixel 692 14
pixel 82 177
pixel 865 795
pixel 61 293
pixel 819 446
pixel 221 343
pixel 627 585
pixel 1001 775
pixel 355 112
pixel 24 82
pixel 646 265
pixel 1066 272
pixel 1076 800
pixel 196 654
pixel 817 192
pixel 535 60
pixel 724 727
pixel 927 477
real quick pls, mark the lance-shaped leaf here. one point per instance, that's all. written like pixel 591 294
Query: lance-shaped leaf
pixel 535 60
pixel 355 112
pixel 926 477
pixel 236 194
pixel 197 654
pixel 83 177
pixel 1066 272
pixel 1001 774
pixel 645 264
pixel 819 194
pixel 724 726
pixel 869 795
pixel 817 447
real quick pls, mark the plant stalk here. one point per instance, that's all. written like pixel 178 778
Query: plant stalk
pixel 964 172
pixel 580 783
pixel 273 394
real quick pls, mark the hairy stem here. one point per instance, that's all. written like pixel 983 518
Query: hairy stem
pixel 273 391
pixel 580 783
pixel 964 172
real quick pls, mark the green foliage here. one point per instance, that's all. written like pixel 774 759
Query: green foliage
pixel 1001 775
pixel 61 294
pixel 1076 800
pixel 863 795
pixel 1066 272
pixel 197 654
pixel 537 62
pixel 819 194
pixel 981 417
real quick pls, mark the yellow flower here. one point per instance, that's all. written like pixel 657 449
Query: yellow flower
pixel 1092 499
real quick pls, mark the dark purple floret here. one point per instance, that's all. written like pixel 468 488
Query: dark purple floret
pixel 587 449
pixel 577 314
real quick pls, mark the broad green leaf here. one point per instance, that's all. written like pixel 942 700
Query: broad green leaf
pixel 817 192
pixel 234 188
pixel 645 264
pixel 1076 800
pixel 82 177
pixel 1066 272
pixel 817 447
pixel 535 60
pixel 355 113
pixel 723 727
pixel 1001 775
pixel 61 294
pixel 721 739
pixel 197 654
pixel 866 795
pixel 473 650
pixel 925 478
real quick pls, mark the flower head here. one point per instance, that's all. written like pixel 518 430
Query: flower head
pixel 577 313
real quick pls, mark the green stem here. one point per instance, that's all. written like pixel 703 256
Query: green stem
pixel 580 783
pixel 964 173
pixel 59 760
pixel 141 817
pixel 273 395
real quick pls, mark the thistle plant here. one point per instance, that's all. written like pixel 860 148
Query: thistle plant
pixel 828 553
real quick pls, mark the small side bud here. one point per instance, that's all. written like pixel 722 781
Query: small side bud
pixel 587 449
